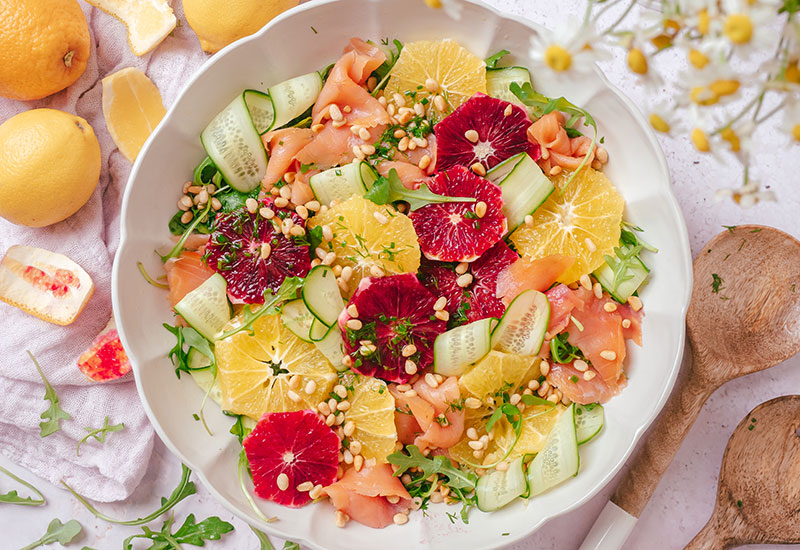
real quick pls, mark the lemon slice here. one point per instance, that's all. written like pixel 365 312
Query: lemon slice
pixel 363 243
pixel 255 371
pixel 132 108
pixel 459 72
pixel 583 222
pixel 372 412
pixel 499 372
pixel 148 21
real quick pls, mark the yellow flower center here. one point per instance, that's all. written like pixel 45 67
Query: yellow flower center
pixel 724 87
pixel 793 73
pixel 700 140
pixel 703 96
pixel 738 28
pixel 730 136
pixel 637 61
pixel 659 124
pixel 434 3
pixel 661 41
pixel 703 22
pixel 796 132
pixel 557 58
pixel 698 59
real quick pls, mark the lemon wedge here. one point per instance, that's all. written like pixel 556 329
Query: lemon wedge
pixel 148 21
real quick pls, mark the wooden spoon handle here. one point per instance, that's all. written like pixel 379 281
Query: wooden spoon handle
pixel 665 438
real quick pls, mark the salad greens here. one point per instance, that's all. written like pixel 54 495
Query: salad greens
pixel 190 532
pixel 184 489
pixel 391 189
pixel 99 433
pixel 54 413
pixel 287 291
pixel 12 497
pixel 178 248
pixel 62 533
pixel 383 72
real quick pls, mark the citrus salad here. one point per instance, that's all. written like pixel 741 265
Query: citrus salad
pixel 408 279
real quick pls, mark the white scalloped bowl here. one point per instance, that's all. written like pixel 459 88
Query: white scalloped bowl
pixel 305 39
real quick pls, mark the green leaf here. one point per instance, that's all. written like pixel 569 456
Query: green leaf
pixel 391 189
pixel 263 539
pixel 790 6
pixel 178 248
pixel 457 479
pixel 211 528
pixel 12 497
pixel 99 433
pixel 383 72
pixel 184 489
pixel 491 61
pixel 62 533
pixel 287 291
pixel 54 413
pixel 233 199
pixel 289 545
pixel 562 351
pixel 189 338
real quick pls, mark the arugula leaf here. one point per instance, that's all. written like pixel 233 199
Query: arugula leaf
pixel 189 337
pixel 383 72
pixel 178 248
pixel 790 6
pixel 54 413
pixel 491 61
pixel 391 189
pixel 543 105
pixel 263 539
pixel 62 533
pixel 99 433
pixel 12 497
pixel 189 533
pixel 562 351
pixel 456 479
pixel 184 489
pixel 287 291
pixel 289 545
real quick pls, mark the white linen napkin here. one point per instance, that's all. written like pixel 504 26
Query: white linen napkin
pixel 110 471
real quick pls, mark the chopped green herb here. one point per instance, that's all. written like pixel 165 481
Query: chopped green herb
pixel 99 433
pixel 716 283
pixel 54 413
pixel 730 228
pixel 491 61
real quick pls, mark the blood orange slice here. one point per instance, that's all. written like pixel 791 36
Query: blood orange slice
pixel 252 252
pixel 456 231
pixel 485 130
pixel 290 448
pixel 478 299
pixel 395 327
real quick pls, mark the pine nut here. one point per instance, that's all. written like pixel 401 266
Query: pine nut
pixel 533 384
pixel 440 303
pixel 410 367
pixel 626 323
pixel 610 307
pixel 399 100
pixel 608 355
pixel 472 433
pixel 480 209
pixel 409 350
pixel 341 518
pixel 352 310
pixel 216 204
pixel 464 280
pixel 364 134
pixel 424 162
pixel 251 204
pixel 585 282
pixel 553 398
pixel 439 103
pixel 472 136
pixel 358 462
pixel 185 203
pixel 305 487
pixel 478 168
pixel 544 368
pixel 529 220
pixel 442 315
pixel 581 365
pixel 508 110
pixel 329 258
pixel 598 291
pixel 376 271
pixel 602 155
pixel 462 268
pixel 349 428
pixel 316 492
pixel 588 375
pixel 515 398
pixel 343 406
pixel 340 390
pixel 358 152
pixel 266 250
pixel 348 108
pixel 590 244
pixel 501 467
pixel 281 202
pixel 354 324
pixel 431 381
pixel 399 133
pixel 311 387
pixel 335 112
pixel 347 361
pixel 410 393
pixel 555 170
pixel 267 213
pixel 186 217
pixel 283 481
pixel 402 145
pixel 368 149
pixel 286 191
pixel 323 408
pixel 317 128
pixel 295 382
pixel 355 448
pixel 293 396
pixel 472 403
pixel 475 445
pixel 302 211
pixel 330 419
pixel 419 109
pixel 635 303
pixel 313 205
pixel 327 233
pixel 195 189
pixel 380 218
pixel 400 518
pixel 431 85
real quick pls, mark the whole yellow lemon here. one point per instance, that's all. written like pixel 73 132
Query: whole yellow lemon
pixel 49 166
pixel 217 23
pixel 44 45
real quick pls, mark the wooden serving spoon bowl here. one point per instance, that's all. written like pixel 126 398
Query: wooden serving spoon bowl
pixel 758 499
pixel 744 317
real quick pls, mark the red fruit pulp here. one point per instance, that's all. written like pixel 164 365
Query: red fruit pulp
pixel 235 251
pixel 452 231
pixel 500 136
pixel 394 312
pixel 297 444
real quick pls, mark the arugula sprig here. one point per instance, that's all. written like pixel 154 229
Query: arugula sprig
pixel 383 72
pixel 391 189
pixel 54 413
pixel 184 489
pixel 100 433
pixel 196 534
pixel 62 533
pixel 491 61
pixel 178 248
pixel 461 483
pixel 562 351
pixel 12 497
pixel 626 255
pixel 272 301
pixel 187 339
pixel 543 105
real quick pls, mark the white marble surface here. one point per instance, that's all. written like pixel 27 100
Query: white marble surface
pixel 683 500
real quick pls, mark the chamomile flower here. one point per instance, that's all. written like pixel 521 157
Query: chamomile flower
pixel 791 121
pixel 663 118
pixel 746 196
pixel 715 83
pixel 745 24
pixel 451 7
pixel 571 47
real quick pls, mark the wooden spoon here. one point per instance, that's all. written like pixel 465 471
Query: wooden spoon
pixel 744 317
pixel 758 498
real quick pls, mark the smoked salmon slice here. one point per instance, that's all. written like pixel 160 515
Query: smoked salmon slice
pixel 526 275
pixel 363 495
pixel 558 149
pixel 445 431
pixel 571 383
pixel 282 146
pixel 184 274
